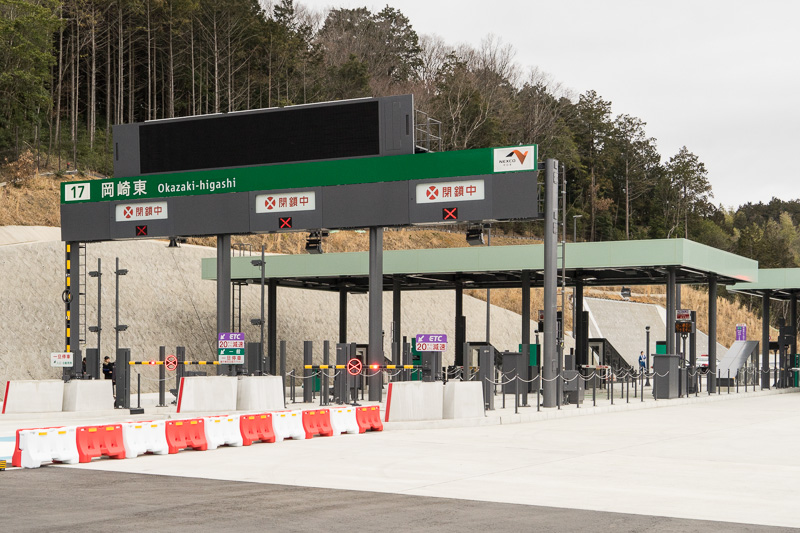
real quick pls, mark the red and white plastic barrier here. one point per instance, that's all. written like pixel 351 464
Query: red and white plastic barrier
pixel 222 431
pixel 317 422
pixel 288 425
pixel 96 441
pixel 36 447
pixel 183 434
pixel 140 438
pixel 369 418
pixel 256 427
pixel 343 420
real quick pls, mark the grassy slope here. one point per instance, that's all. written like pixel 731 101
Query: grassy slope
pixel 34 201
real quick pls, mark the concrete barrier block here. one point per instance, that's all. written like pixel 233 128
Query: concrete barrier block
pixel 463 399
pixel 33 396
pixel 414 400
pixel 207 393
pixel 88 395
pixel 260 393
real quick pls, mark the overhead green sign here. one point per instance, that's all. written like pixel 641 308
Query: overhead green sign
pixel 303 175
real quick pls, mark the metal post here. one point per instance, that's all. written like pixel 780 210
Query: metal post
pixel 611 388
pixel 397 309
pixel 138 390
pixel 272 329
pixel 342 315
pixel 671 310
pixel 488 293
pixel 283 369
pixel 793 324
pixel 712 332
pixel 563 331
pixel 180 355
pixel 73 304
pixel 224 292
pixel 325 389
pixel 729 381
pixel 647 368
pixel 375 351
pixel 526 322
pixel 765 339
pixel 308 385
pixel 549 358
pixel 459 324
pixel 162 377
pixel 99 327
pixel 263 316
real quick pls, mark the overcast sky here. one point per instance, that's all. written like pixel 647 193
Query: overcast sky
pixel 721 77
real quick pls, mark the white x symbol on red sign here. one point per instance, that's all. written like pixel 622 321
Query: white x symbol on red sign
pixel 128 212
pixel 432 192
pixel 270 202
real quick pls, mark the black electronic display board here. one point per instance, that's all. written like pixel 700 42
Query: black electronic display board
pixel 332 130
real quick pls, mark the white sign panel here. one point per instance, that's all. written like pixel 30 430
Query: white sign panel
pixel 61 359
pixel 74 192
pixel 141 211
pixel 683 314
pixel 450 191
pixel 285 202
pixel 231 359
pixel 515 158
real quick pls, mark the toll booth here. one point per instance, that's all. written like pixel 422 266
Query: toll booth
pixel 514 366
pixel 665 381
pixel 416 360
pixel 431 366
pixel 533 366
pixel 573 387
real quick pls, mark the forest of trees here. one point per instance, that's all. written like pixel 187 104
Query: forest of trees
pixel 70 70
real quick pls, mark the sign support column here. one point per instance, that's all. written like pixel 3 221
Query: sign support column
pixel 375 354
pixel 223 292
pixel 272 325
pixel 765 377
pixel 712 334
pixel 550 271
pixel 671 311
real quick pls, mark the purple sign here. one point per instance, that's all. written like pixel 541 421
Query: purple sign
pixel 230 337
pixel 427 342
pixel 431 338
pixel 741 332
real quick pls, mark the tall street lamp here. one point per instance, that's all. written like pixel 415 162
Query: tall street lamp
pixel 575 227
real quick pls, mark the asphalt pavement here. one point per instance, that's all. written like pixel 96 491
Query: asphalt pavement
pixel 89 501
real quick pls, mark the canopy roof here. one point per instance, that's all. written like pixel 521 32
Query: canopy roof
pixel 594 264
pixel 780 282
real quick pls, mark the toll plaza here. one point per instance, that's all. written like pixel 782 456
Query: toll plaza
pixel 629 263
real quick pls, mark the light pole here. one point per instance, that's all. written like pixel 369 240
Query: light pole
pixel 575 227
pixel 647 348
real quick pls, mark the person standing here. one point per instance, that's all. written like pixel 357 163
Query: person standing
pixel 642 362
pixel 108 372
